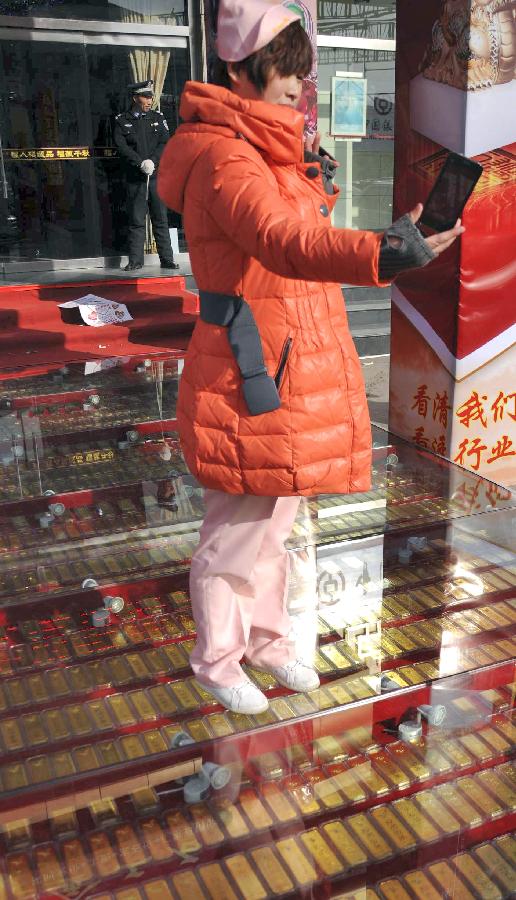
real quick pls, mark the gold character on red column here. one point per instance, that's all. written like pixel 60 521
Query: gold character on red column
pixel 501 449
pixel 441 408
pixel 475 450
pixel 472 410
pixel 419 437
pixel 439 445
pixel 421 400
pixel 500 403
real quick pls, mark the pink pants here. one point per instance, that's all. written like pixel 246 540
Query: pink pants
pixel 239 585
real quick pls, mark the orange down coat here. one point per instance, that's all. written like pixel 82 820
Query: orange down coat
pixel 258 226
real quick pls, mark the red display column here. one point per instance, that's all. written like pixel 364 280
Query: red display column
pixel 453 354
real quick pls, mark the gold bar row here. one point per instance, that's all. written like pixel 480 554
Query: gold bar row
pixel 333 850
pixel 170 699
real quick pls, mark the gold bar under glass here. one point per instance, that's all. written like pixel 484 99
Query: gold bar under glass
pixel 507 844
pixel 217 885
pixel 34 730
pixel 320 852
pixel 392 826
pixel 472 788
pixel 121 710
pixel 183 695
pixel 457 753
pixel 372 779
pixel 377 846
pixel 495 740
pixel 504 792
pixel 86 759
pixel 432 806
pixel 347 782
pixel 99 714
pixel 143 706
pixel 410 760
pixel 421 825
pixel 231 818
pixel 457 803
pixel 182 834
pixel 328 750
pixel 38 769
pixel 492 861
pixel 245 877
pixel 255 810
pixel 450 884
pixel 324 789
pixel 207 827
pixel 302 796
pixel 281 709
pixel 421 886
pixel 157 890
pixel 298 863
pixel 390 770
pixel 130 848
pixel 476 877
pixel 478 749
pixel 269 765
pixel 162 699
pixel 278 802
pixel 392 889
pixel 272 870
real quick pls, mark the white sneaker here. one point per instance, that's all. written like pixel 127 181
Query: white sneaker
pixel 243 698
pixel 296 676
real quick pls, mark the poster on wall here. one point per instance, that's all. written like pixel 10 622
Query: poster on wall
pixel 307 11
pixel 348 106
pixel 453 345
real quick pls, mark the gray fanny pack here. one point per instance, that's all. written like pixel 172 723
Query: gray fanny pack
pixel 259 389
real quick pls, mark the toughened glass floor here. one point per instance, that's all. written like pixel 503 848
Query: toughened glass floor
pixel 356 813
pixel 320 789
pixel 395 779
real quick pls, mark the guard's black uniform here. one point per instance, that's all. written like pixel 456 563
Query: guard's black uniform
pixel 140 136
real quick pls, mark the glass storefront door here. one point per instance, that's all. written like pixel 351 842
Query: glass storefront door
pixel 366 164
pixel 46 129
pixel 62 196
pixel 173 12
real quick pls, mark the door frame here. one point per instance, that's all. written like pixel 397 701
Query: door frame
pixel 33 23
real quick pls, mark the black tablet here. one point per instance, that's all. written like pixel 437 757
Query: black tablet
pixel 450 192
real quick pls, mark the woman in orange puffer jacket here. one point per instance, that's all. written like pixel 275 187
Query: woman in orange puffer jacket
pixel 271 403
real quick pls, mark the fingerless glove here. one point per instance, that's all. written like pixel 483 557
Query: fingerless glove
pixel 413 252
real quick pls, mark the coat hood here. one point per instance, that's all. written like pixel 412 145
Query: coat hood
pixel 208 112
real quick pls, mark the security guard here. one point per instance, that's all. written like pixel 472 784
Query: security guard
pixel 140 136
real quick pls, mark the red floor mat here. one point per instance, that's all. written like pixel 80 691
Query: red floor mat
pixel 32 330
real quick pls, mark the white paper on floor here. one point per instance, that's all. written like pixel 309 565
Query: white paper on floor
pixel 98 311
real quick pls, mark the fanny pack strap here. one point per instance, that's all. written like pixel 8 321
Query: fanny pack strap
pixel 259 389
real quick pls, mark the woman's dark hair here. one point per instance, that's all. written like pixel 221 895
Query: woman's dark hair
pixel 290 53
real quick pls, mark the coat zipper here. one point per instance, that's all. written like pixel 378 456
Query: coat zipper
pixel 280 371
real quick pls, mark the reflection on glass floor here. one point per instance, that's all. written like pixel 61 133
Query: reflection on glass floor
pixel 394 779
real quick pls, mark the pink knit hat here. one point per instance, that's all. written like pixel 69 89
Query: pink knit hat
pixel 245 26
